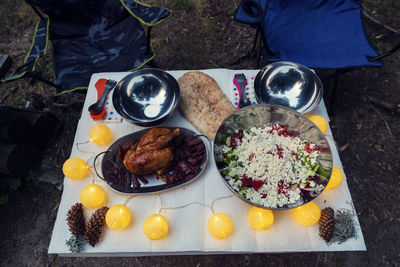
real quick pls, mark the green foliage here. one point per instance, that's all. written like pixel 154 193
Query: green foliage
pixel 75 243
pixel 8 185
pixel 3 199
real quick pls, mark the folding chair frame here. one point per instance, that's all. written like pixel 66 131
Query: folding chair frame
pixel 262 43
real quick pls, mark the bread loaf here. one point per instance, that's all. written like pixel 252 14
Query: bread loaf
pixel 203 103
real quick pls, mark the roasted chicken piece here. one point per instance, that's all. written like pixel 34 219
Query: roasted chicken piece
pixel 153 153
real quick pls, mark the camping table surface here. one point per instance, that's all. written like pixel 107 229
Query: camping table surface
pixel 188 232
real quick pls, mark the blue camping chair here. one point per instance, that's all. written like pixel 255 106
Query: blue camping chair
pixel 90 36
pixel 315 33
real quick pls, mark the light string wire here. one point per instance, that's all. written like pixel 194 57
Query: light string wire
pixel 128 199
pixel 90 164
pixel 77 145
pixel 211 206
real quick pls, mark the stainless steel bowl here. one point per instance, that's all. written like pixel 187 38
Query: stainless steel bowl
pixel 262 115
pixel 288 84
pixel 146 97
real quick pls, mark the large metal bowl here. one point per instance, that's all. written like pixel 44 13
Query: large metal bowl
pixel 146 97
pixel 288 84
pixel 262 115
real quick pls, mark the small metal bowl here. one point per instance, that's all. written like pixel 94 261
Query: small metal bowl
pixel 146 97
pixel 262 115
pixel 288 84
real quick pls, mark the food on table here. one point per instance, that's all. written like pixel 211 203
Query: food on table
pixel 272 166
pixel 189 155
pixel 203 103
pixel 153 153
pixel 187 151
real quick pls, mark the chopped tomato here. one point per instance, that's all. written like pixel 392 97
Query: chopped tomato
pixel 309 149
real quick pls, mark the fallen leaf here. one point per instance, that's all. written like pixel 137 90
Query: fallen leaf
pixel 343 148
pixel 379 148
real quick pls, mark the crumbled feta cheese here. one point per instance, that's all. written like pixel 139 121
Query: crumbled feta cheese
pixel 279 162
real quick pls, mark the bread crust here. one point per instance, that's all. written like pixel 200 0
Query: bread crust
pixel 203 103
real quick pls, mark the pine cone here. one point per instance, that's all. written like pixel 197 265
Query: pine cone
pixel 327 224
pixel 76 220
pixel 95 226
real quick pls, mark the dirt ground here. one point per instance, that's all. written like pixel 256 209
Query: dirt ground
pixel 202 34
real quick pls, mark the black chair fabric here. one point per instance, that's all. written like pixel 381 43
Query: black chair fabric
pixel 90 36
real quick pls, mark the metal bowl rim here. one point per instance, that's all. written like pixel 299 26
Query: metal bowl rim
pixel 248 201
pixel 173 104
pixel 318 81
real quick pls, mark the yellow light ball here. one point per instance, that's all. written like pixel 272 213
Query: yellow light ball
pixel 100 134
pixel 320 122
pixel 336 178
pixel 260 219
pixel 118 217
pixel 155 227
pixel 93 196
pixel 307 214
pixel 220 226
pixel 75 168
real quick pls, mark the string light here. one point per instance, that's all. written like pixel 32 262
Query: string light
pixel 155 227
pixel 93 196
pixel 307 214
pixel 100 134
pixel 260 219
pixel 336 178
pixel 118 217
pixel 220 226
pixel 75 168
pixel 320 121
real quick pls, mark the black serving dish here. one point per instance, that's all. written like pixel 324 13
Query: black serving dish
pixel 154 185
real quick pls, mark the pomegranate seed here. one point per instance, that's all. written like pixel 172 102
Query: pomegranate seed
pixel 251 156
pixel 238 134
pixel 257 184
pixel 292 133
pixel 279 152
pixel 233 143
pixel 246 181
pixel 282 129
